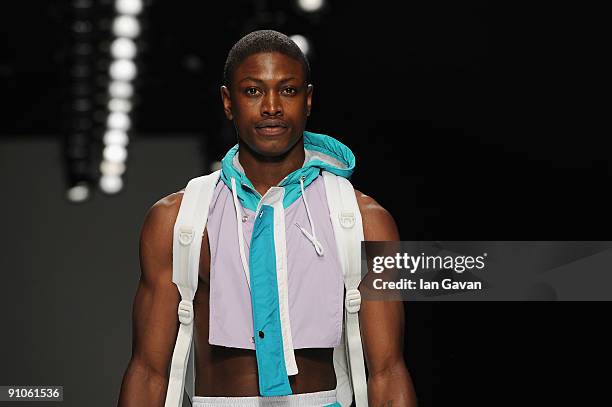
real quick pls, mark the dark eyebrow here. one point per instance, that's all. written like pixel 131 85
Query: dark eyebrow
pixel 250 78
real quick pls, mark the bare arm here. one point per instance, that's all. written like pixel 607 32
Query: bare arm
pixel 382 325
pixel 155 320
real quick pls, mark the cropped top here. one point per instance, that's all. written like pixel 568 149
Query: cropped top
pixel 314 283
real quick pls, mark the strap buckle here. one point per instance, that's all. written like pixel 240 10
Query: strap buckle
pixel 185 312
pixel 347 219
pixel 185 236
pixel 352 301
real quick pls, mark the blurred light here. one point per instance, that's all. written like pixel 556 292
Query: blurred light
pixel 310 5
pixel 78 193
pixel 118 121
pixel 119 89
pixel 115 153
pixel 216 165
pixel 119 105
pixel 128 6
pixel 302 43
pixel 123 70
pixel 126 26
pixel 123 48
pixel 117 137
pixel 80 88
pixel 81 71
pixel 81 27
pixel 83 48
pixel 112 168
pixel 81 105
pixel 82 3
pixel 111 184
pixel 192 63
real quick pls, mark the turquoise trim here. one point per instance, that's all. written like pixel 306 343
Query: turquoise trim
pixel 321 143
pixel 336 404
pixel 271 368
pixel 248 196
pixel 332 147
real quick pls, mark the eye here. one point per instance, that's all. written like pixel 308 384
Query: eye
pixel 289 91
pixel 251 91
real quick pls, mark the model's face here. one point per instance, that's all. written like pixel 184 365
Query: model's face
pixel 269 101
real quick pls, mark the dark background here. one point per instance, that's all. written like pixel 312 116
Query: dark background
pixel 469 122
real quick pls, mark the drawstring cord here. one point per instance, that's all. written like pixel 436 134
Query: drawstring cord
pixel 312 237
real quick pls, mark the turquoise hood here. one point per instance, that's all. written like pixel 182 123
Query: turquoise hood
pixel 322 153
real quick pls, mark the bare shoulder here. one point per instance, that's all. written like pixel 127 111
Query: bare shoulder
pixel 378 223
pixel 170 202
pixel 165 210
pixel 157 232
pixel 372 210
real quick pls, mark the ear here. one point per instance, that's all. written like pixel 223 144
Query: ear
pixel 227 102
pixel 309 99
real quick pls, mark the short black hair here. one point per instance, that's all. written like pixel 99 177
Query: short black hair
pixel 262 41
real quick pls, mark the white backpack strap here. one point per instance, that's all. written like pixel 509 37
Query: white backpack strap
pixel 188 230
pixel 348 230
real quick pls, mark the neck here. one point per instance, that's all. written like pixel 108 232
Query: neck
pixel 265 172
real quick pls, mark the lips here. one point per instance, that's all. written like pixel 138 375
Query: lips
pixel 271 123
pixel 271 127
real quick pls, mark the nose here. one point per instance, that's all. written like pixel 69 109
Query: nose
pixel 271 105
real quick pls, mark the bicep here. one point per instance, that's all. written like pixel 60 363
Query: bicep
pixel 382 322
pixel 155 320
